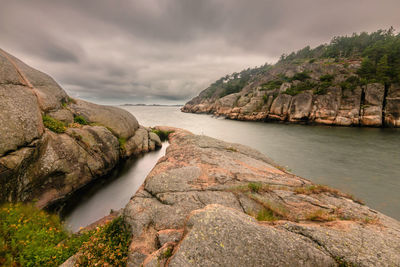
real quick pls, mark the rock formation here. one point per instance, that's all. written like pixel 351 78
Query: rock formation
pixel 37 163
pixel 320 91
pixel 212 203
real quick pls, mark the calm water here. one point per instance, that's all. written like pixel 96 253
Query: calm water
pixel 364 162
pixel 360 161
pixel 111 192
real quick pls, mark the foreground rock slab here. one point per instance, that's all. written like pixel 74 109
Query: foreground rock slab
pixel 213 203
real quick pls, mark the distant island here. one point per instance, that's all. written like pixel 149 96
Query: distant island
pixel 151 105
pixel 353 81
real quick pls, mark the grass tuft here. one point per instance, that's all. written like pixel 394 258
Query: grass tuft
pixel 81 120
pixel 53 124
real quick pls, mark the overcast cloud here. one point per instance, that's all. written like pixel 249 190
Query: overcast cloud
pixel 167 51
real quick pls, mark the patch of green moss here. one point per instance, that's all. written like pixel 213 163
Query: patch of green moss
pixel 81 120
pixel 162 134
pixel 53 124
pixel 122 142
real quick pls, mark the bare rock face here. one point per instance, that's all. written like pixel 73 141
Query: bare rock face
pixel 36 163
pixel 300 107
pixel 326 106
pixel 349 110
pixel 392 108
pixel 371 112
pixel 280 107
pixel 339 98
pixel 212 191
pixel 122 123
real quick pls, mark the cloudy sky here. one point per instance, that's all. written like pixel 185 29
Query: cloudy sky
pixel 167 51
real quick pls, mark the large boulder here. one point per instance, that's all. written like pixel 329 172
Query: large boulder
pixel 122 123
pixel 298 223
pixel 20 117
pixel 36 163
pixel 220 236
pixel 300 107
pixel 280 107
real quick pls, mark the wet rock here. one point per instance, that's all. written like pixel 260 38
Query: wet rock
pixel 349 110
pixel 326 106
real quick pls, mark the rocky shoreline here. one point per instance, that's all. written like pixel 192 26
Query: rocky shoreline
pixel 86 140
pixel 208 202
pixel 331 95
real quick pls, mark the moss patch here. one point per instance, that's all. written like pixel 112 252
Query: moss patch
pixel 162 134
pixel 53 124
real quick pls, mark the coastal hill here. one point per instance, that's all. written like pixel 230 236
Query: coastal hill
pixel 51 144
pixel 353 81
pixel 205 203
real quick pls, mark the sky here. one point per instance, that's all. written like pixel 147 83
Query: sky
pixel 167 51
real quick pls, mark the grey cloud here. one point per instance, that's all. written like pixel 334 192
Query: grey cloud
pixel 168 51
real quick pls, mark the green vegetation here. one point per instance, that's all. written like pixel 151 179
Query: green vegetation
pixel 299 88
pixel 352 82
pixel 53 124
pixel 271 85
pixel 31 237
pixel 81 120
pixel 65 102
pixel 300 76
pixel 327 78
pixel 266 215
pixel 167 253
pixel 233 83
pixel 108 246
pixel 162 134
pixel 255 187
pixel 122 142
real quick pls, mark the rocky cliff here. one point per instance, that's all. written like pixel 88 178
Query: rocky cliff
pixel 212 203
pixel 317 91
pixel 85 141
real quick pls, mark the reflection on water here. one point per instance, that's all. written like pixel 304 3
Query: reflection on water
pixel 113 192
pixel 361 161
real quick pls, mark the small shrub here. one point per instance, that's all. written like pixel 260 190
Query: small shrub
pixel 255 187
pixel 311 60
pixel 327 78
pixel 303 86
pixel 81 120
pixel 108 246
pixel 265 98
pixel 53 124
pixel 300 76
pixel 167 253
pixel 162 134
pixel 271 85
pixel 122 142
pixel 266 215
